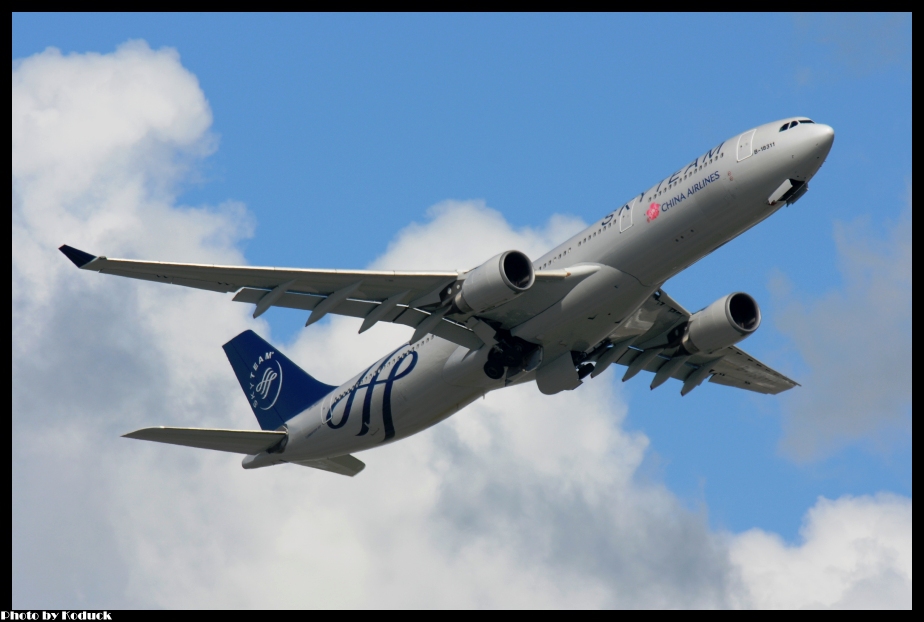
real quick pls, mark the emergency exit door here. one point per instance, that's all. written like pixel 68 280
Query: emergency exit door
pixel 746 145
pixel 625 216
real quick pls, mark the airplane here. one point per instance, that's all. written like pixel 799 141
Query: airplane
pixel 562 319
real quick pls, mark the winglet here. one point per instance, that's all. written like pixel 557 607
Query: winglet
pixel 78 257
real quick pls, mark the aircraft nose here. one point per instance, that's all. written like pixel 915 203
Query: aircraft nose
pixel 824 139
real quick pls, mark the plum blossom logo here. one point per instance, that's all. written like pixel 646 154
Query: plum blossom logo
pixel 653 210
pixel 265 382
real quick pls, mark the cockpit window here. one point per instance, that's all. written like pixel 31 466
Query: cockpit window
pixel 786 126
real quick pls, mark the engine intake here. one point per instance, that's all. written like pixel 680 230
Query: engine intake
pixel 725 322
pixel 498 280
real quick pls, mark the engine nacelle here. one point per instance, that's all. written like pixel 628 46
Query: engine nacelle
pixel 725 322
pixel 496 281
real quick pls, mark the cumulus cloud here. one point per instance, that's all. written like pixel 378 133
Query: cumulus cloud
pixel 520 500
pixel 99 144
pixel 465 234
pixel 856 553
pixel 856 341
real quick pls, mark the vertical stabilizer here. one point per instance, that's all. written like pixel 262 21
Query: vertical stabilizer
pixel 276 388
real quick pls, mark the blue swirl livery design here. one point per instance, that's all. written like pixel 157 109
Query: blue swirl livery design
pixel 405 364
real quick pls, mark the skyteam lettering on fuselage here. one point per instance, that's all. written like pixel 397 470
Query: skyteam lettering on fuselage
pixel 558 320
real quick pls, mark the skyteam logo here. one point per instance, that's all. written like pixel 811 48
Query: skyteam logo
pixel 265 382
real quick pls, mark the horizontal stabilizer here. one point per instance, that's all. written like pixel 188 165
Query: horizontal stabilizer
pixel 234 441
pixel 342 465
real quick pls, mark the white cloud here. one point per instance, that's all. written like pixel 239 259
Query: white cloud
pixel 520 500
pixel 99 145
pixel 467 233
pixel 856 554
pixel 857 343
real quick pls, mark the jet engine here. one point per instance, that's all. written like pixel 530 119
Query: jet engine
pixel 496 281
pixel 725 322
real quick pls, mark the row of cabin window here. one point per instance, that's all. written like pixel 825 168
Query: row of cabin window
pixel 549 262
pixel 392 362
pixel 696 170
pixel 651 196
pixel 600 230
pixel 786 126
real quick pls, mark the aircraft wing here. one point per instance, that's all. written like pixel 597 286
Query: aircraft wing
pixel 394 296
pixel 730 366
pixel 402 297
pixel 372 284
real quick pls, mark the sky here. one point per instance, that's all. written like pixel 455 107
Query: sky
pixel 433 142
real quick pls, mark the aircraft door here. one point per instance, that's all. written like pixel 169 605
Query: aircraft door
pixel 625 216
pixel 745 145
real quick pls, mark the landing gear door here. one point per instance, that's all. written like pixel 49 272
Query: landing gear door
pixel 625 216
pixel 745 145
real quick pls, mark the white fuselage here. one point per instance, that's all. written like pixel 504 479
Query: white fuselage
pixel 640 245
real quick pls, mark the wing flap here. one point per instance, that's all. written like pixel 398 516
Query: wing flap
pixel 234 441
pixel 741 370
pixel 736 369
pixel 402 314
pixel 214 286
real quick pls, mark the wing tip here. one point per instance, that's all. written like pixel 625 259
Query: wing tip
pixel 78 257
pixel 141 433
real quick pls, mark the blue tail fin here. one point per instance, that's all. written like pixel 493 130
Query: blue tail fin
pixel 276 388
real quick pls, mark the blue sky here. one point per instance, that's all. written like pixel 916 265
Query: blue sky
pixel 336 132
